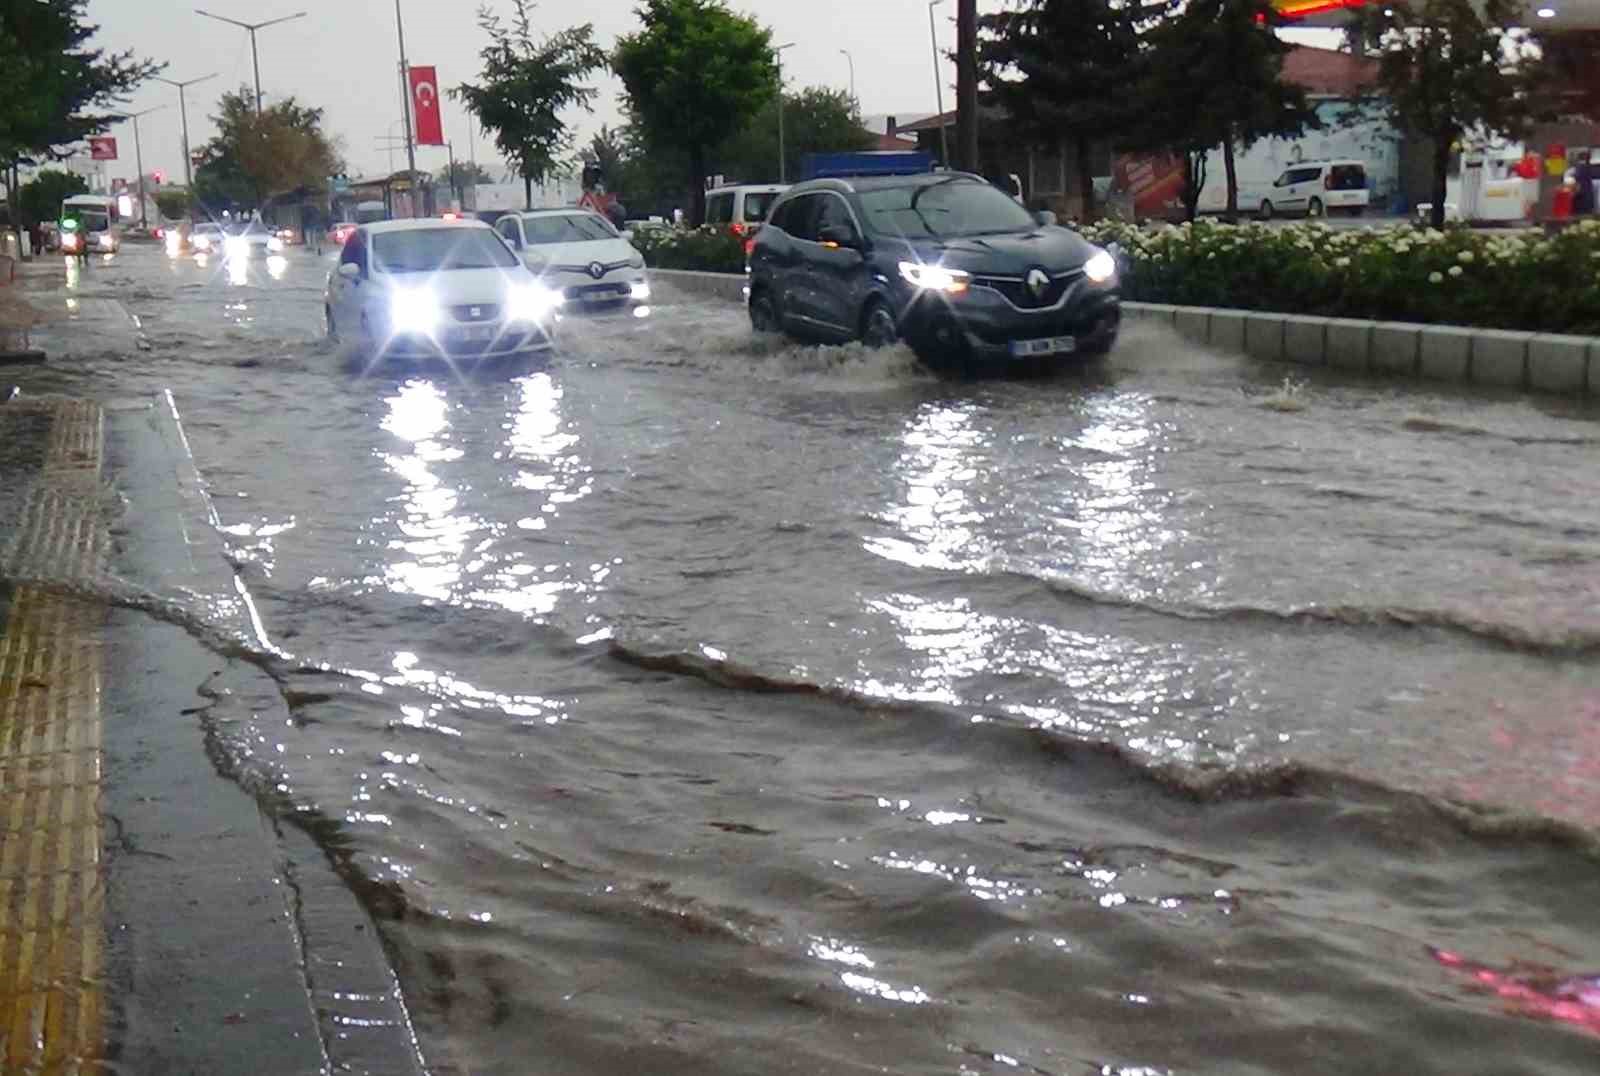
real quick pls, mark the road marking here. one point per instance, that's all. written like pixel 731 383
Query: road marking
pixel 51 892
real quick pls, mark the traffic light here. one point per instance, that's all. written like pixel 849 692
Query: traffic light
pixel 160 176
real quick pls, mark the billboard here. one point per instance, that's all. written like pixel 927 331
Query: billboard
pixel 103 148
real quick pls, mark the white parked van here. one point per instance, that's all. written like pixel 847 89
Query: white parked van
pixel 96 222
pixel 1316 189
pixel 741 209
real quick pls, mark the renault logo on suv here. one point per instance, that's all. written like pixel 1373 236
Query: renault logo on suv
pixel 1037 280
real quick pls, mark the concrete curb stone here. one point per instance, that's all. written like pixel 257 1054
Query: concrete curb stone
pixel 1192 322
pixel 1227 329
pixel 1305 339
pixel 1264 336
pixel 1558 363
pixel 1500 358
pixel 1395 347
pixel 1446 352
pixel 1349 343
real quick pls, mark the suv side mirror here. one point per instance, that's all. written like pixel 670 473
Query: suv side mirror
pixel 837 235
pixel 349 270
pixel 1045 217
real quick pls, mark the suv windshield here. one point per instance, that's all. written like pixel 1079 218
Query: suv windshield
pixel 566 228
pixel 424 250
pixel 950 207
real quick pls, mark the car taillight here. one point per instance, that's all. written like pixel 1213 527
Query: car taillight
pixel 737 227
pixel 749 246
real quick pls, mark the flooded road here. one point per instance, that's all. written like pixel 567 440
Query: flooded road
pixel 697 703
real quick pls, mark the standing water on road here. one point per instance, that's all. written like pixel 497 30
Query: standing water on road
pixel 700 703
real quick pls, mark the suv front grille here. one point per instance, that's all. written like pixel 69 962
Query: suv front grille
pixel 1020 296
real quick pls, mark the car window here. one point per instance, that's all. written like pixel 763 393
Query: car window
pixel 948 207
pixel 719 208
pixel 834 213
pixel 757 204
pixel 800 216
pixel 780 216
pixel 425 250
pixel 1348 177
pixel 508 230
pixel 1305 175
pixel 566 228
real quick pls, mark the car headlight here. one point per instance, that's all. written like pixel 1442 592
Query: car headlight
pixel 236 246
pixel 936 277
pixel 200 242
pixel 105 241
pixel 639 290
pixel 414 311
pixel 531 302
pixel 274 244
pixel 1100 267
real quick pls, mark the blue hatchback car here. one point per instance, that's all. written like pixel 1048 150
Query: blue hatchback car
pixel 944 261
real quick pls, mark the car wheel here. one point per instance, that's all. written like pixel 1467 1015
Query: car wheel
pixel 1266 210
pixel 763 313
pixel 877 325
pixel 1314 208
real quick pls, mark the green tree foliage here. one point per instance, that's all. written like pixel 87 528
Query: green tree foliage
pixel 174 205
pixel 255 156
pixel 1060 69
pixel 54 89
pixel 1572 66
pixel 528 81
pixel 1449 67
pixel 816 120
pixel 1212 74
pixel 41 196
pixel 695 72
pixel 468 174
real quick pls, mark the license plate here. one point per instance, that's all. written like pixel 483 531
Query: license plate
pixel 1050 345
pixel 476 334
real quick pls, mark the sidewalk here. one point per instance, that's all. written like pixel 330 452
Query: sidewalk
pixel 154 915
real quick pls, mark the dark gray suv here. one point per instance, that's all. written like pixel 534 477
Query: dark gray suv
pixel 944 261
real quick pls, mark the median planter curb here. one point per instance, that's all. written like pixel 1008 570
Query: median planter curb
pixel 729 286
pixel 1544 362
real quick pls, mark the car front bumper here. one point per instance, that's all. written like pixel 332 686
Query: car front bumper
pixel 982 324
pixel 462 342
pixel 620 286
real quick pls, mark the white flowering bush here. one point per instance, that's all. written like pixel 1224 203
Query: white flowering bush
pixel 1510 280
pixel 710 248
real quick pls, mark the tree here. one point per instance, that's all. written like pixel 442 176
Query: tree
pixel 1572 66
pixel 468 174
pixel 1060 69
pixel 527 82
pixel 40 198
pixel 174 205
pixel 257 155
pixel 1212 73
pixel 694 73
pixel 967 86
pixel 56 91
pixel 816 120
pixel 1447 68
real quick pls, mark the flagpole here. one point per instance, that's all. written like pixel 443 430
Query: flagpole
pixel 405 83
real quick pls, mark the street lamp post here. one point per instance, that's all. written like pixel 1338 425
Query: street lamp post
pixel 252 27
pixel 188 168
pixel 783 161
pixel 405 96
pixel 938 85
pixel 852 61
pixel 138 162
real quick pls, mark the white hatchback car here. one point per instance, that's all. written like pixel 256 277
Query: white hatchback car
pixel 577 253
pixel 1318 188
pixel 429 289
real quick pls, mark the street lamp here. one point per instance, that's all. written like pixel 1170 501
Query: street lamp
pixel 938 85
pixel 188 169
pixel 783 164
pixel 252 27
pixel 852 61
pixel 138 161
pixel 405 97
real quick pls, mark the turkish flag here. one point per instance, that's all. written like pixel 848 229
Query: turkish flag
pixel 425 106
pixel 103 148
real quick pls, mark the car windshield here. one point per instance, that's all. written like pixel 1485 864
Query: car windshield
pixel 424 250
pixel 566 228
pixel 89 221
pixel 757 206
pixel 948 208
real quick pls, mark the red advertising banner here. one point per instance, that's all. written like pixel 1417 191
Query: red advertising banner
pixel 103 148
pixel 425 107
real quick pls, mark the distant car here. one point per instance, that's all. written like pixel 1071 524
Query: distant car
pixel 206 237
pixel 252 239
pixel 945 261
pixel 1318 188
pixel 341 232
pixel 432 289
pixel 579 254
pixel 742 209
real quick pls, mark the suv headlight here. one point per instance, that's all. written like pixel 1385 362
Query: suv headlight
pixel 1100 267
pixel 936 277
pixel 531 302
pixel 414 310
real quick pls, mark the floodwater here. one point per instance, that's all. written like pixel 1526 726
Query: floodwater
pixel 691 703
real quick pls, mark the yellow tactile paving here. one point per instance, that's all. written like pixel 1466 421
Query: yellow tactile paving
pixel 51 923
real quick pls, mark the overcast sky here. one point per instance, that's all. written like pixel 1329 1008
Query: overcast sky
pixel 342 58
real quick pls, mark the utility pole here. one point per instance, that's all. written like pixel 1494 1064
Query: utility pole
pixel 188 168
pixel 138 162
pixel 252 27
pixel 783 160
pixel 967 84
pixel 852 62
pixel 938 86
pixel 405 96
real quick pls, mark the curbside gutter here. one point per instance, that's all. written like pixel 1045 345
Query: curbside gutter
pixel 1540 362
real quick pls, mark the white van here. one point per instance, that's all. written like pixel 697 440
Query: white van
pixel 741 209
pixel 1316 189
pixel 96 220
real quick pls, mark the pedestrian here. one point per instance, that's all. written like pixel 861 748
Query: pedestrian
pixel 1584 176
pixel 311 228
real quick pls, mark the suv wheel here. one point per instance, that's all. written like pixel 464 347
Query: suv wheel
pixel 1266 210
pixel 1314 208
pixel 763 312
pixel 877 325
